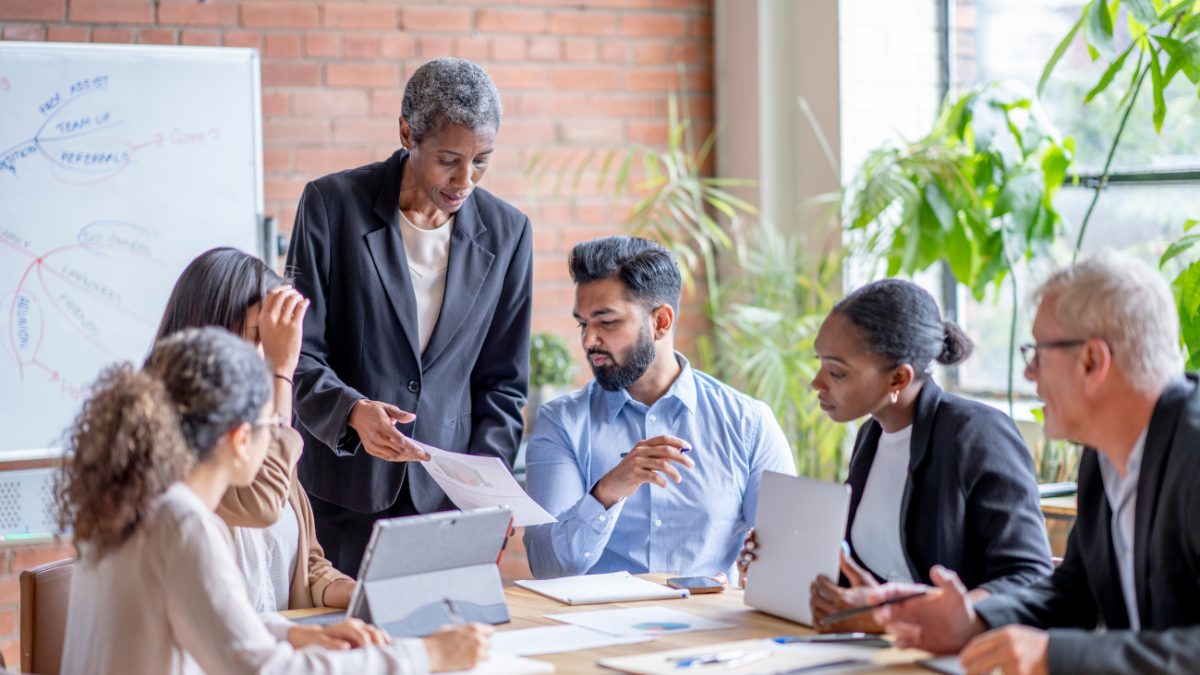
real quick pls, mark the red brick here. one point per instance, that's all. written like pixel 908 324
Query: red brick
pixel 32 10
pixel 583 23
pixel 322 44
pixel 593 214
pixel 111 11
pixel 594 79
pixel 650 133
pixel 434 46
pixel 157 36
pixel 12 648
pixel 580 50
pixel 244 38
pixel 555 104
pixel 435 19
pixel 21 558
pixel 10 589
pixel 192 13
pixel 550 268
pixel 660 53
pixel 651 79
pixel 277 161
pixel 361 46
pixel 397 46
pixel 113 35
pixel 630 106
pixel 274 104
pixel 69 34
pixel 283 189
pixel 365 131
pixel 545 239
pixel 386 102
pixel 326 103
pixel 26 32
pixel 283 45
pixel 290 74
pixel 518 77
pixel 653 26
pixel 287 217
pixel 358 15
pixel 544 49
pixel 701 27
pixel 200 37
pixel 614 52
pixel 524 132
pixel 279 14
pixel 510 21
pixel 295 131
pixel 327 160
pixel 361 75
pixel 591 130
pixel 9 620
pixel 471 48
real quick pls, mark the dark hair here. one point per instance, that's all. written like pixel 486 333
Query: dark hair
pixel 139 431
pixel 901 322
pixel 216 289
pixel 646 268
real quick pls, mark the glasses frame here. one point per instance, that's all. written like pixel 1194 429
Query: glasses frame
pixel 272 422
pixel 1029 350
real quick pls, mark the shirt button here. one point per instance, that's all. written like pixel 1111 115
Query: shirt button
pixel 602 518
pixel 654 418
pixel 587 554
pixel 414 386
pixel 658 522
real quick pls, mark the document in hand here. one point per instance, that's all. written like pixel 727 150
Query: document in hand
pixel 590 589
pixel 744 656
pixel 473 482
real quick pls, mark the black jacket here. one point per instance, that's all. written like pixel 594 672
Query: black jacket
pixel 971 501
pixel 1085 591
pixel 360 335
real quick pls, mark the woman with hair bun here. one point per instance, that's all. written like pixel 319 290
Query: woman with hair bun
pixel 935 479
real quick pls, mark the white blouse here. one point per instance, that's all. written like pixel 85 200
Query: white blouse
pixel 267 558
pixel 428 253
pixel 171 600
pixel 875 534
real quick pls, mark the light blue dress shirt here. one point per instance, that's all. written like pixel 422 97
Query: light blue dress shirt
pixel 693 528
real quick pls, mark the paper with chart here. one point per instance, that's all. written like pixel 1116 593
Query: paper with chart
pixel 587 589
pixel 473 482
pixel 650 621
pixel 558 639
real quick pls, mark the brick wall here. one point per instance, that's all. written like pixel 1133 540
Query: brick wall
pixel 571 72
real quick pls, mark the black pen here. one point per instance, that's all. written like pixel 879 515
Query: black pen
pixel 855 611
pixel 623 454
pixel 452 610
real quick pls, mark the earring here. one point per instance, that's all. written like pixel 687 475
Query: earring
pixel 895 395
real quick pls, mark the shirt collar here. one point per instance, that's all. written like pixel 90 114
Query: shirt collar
pixel 1133 468
pixel 683 389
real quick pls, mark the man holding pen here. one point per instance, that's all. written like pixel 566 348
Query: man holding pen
pixel 653 466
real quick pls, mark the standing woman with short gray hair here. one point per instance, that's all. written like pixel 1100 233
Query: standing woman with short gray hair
pixel 418 328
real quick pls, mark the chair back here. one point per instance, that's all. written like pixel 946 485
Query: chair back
pixel 44 599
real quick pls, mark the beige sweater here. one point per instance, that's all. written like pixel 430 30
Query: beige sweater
pixel 260 504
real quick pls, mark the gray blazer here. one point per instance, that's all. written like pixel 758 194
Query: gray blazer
pixel 360 335
pixel 1085 590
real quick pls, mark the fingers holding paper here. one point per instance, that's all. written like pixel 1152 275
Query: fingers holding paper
pixel 375 422
pixel 654 460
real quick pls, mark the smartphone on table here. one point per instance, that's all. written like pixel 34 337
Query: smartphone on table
pixel 697 584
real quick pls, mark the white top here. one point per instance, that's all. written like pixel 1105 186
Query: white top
pixel 171 600
pixel 267 558
pixel 1122 499
pixel 875 534
pixel 428 253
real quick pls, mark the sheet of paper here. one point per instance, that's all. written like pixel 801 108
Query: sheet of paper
pixel 499 663
pixel 943 664
pixel 473 482
pixel 558 639
pixel 748 657
pixel 651 621
pixel 596 588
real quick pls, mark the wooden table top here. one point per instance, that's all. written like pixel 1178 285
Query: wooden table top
pixel 1063 507
pixel 527 609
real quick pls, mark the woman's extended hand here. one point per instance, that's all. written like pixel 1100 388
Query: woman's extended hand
pixel 826 597
pixel 375 422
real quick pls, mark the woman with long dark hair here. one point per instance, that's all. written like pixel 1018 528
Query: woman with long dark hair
pixel 156 589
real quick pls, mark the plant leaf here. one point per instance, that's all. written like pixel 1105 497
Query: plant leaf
pixel 1178 247
pixel 1098 28
pixel 1058 54
pixel 1109 74
pixel 1156 79
pixel 1142 10
pixel 1185 56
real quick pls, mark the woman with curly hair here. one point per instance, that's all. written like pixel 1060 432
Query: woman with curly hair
pixel 156 589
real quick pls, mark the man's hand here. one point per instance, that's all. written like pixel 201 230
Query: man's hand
pixel 375 422
pixel 642 465
pixel 746 557
pixel 347 634
pixel 280 328
pixel 1012 650
pixel 826 597
pixel 458 648
pixel 940 622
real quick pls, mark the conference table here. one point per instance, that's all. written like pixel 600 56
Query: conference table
pixel 527 609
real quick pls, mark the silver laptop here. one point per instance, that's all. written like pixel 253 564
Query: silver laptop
pixel 800 525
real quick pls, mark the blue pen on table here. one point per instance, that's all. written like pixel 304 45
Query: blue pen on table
pixel 728 659
pixel 623 454
pixel 452 610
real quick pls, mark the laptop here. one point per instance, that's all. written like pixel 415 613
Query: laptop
pixel 413 564
pixel 799 526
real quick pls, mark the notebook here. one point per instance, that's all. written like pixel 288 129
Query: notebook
pixel 590 589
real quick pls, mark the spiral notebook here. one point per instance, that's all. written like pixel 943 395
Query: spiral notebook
pixel 590 589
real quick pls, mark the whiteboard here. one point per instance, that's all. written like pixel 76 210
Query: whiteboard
pixel 118 165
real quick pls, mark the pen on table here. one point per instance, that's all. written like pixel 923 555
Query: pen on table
pixel 623 454
pixel 453 612
pixel 855 611
pixel 728 659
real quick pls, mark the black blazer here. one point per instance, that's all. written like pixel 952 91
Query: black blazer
pixel 971 502
pixel 1085 591
pixel 360 335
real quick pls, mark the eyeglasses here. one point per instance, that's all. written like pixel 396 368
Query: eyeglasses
pixel 274 422
pixel 1029 350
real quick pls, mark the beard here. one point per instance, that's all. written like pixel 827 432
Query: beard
pixel 634 362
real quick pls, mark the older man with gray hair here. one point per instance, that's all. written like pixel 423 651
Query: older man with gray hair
pixel 1107 363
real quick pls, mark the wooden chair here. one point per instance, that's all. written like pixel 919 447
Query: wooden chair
pixel 44 596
